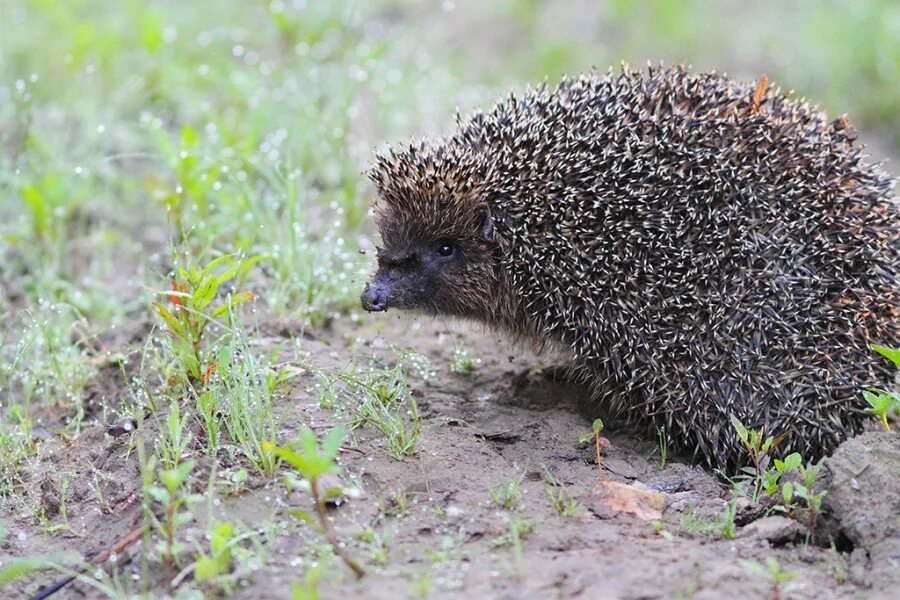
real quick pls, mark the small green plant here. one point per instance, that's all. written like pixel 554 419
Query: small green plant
pixel 193 309
pixel 309 588
pixel 770 480
pixel 50 205
pixel 775 480
pixel 195 182
pixel 376 544
pixel 759 448
pixel 397 421
pixel 15 447
pixel 218 561
pixel 328 397
pixel 311 460
pixel 63 525
pixel 508 495
pixel 806 491
pixel 177 438
pixel 519 529
pixel 450 550
pixel 773 572
pixel 596 428
pixel 559 497
pixel 398 504
pixel 884 404
pixel 385 401
pixel 175 500
pixel 690 588
pixel 837 565
pixel 464 363
pixel 693 522
pixel 16 442
pixel 233 480
pixel 661 435
pixel 208 409
pixel 49 360
pixel 421 586
pixel 659 528
pixel 725 525
pixel 105 506
pixel 772 477
pixel 445 562
pixel 245 388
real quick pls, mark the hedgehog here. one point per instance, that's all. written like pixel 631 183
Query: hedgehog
pixel 701 249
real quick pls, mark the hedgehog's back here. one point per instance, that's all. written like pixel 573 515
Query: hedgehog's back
pixel 717 248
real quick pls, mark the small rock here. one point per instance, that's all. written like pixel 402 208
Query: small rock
pixel 682 501
pixel 861 481
pixel 777 530
pixel 620 467
pixel 664 485
pixel 123 426
pixel 741 504
pixel 50 498
pixel 677 478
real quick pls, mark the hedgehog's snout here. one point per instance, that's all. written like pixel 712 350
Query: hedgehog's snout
pixel 374 297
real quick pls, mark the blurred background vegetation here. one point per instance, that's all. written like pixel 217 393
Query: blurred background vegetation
pixel 136 136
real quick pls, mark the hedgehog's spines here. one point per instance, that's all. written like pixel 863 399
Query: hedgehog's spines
pixel 716 248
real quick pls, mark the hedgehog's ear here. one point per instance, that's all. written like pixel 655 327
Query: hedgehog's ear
pixel 487 224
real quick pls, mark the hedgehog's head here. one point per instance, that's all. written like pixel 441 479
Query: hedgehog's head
pixel 438 248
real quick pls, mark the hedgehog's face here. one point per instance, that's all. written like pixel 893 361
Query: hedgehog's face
pixel 438 251
pixel 412 277
pixel 437 270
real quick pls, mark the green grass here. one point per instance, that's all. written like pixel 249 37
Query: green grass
pixel 508 495
pixel 245 389
pixel 777 577
pixel 380 397
pixel 558 496
pixel 463 362
pixel 229 129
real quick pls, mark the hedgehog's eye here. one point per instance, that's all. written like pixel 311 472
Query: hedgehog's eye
pixel 446 250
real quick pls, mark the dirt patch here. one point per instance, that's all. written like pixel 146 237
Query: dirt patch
pixel 510 419
pixel 861 510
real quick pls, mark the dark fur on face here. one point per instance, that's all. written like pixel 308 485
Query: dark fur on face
pixel 439 253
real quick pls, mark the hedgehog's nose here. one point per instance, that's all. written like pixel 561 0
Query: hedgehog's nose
pixel 374 298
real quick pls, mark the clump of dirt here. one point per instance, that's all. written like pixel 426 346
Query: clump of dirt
pixel 510 420
pixel 861 509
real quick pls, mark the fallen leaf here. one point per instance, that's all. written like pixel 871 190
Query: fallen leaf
pixel 759 93
pixel 613 497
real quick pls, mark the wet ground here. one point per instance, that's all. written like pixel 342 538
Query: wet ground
pixel 432 527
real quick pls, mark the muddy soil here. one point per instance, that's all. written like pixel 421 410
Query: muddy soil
pixel 509 419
